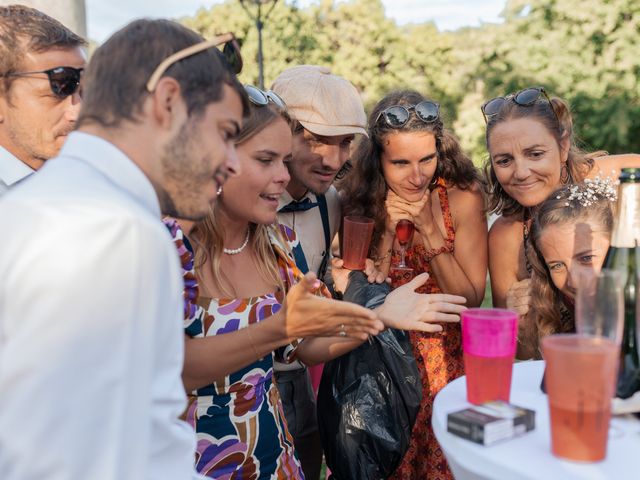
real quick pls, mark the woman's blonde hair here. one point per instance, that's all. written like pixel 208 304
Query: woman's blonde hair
pixel 208 233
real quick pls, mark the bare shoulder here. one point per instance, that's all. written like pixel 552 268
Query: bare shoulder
pixel 505 246
pixel 466 202
pixel 610 165
pixel 505 236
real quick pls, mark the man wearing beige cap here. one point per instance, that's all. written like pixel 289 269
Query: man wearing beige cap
pixel 328 112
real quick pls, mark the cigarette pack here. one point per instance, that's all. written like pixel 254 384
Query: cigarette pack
pixel 491 422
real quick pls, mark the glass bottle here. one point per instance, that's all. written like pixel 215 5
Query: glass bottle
pixel 622 257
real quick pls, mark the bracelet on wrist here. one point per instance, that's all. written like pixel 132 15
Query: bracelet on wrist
pixel 431 253
pixel 379 260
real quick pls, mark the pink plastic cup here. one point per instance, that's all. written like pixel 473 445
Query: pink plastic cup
pixel 357 232
pixel 489 345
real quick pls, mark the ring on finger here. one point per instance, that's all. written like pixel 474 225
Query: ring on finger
pixel 343 332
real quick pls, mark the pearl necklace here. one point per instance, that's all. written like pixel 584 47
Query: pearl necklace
pixel 235 251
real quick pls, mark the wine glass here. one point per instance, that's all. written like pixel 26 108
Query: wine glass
pixel 404 232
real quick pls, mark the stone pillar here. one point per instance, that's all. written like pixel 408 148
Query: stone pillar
pixel 71 13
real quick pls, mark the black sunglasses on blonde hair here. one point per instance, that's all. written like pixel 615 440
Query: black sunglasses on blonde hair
pixel 524 98
pixel 63 81
pixel 397 116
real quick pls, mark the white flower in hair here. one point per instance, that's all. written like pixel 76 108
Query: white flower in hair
pixel 591 191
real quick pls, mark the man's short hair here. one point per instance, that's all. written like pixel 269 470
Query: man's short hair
pixel 116 78
pixel 23 30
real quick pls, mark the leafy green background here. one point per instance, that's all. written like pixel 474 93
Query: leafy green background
pixel 586 51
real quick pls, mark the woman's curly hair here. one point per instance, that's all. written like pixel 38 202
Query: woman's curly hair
pixel 364 189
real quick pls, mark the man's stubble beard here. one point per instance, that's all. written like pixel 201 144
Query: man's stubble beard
pixel 178 197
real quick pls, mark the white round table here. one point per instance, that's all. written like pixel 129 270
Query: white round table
pixel 529 456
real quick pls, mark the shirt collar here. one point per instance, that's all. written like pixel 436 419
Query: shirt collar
pixel 286 198
pixel 12 170
pixel 113 164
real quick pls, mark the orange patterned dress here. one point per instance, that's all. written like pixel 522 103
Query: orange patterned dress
pixel 439 359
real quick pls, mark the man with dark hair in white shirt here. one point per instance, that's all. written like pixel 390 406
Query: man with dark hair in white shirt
pixel 41 63
pixel 91 342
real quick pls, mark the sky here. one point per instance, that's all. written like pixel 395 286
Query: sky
pixel 105 17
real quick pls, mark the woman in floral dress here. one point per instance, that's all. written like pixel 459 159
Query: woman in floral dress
pixel 412 168
pixel 234 405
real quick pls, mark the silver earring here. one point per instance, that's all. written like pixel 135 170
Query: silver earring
pixel 219 191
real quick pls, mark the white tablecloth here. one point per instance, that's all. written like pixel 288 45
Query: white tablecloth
pixel 529 456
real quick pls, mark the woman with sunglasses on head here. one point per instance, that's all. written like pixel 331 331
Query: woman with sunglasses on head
pixel 253 301
pixel 532 153
pixel 411 168
pixel 235 289
pixel 570 233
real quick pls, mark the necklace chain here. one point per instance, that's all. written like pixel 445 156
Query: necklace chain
pixel 235 251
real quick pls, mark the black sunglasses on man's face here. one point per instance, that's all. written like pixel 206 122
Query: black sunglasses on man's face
pixel 63 81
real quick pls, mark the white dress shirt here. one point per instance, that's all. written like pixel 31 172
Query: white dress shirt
pixel 91 343
pixel 12 170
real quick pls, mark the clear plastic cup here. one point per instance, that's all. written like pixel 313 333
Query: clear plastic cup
pixel 599 304
pixel 580 374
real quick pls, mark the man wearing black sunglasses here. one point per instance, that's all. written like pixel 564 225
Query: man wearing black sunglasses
pixel 91 307
pixel 41 64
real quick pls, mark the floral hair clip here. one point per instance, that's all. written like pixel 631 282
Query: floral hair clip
pixel 591 191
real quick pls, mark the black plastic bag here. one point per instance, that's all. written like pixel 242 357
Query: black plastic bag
pixel 369 398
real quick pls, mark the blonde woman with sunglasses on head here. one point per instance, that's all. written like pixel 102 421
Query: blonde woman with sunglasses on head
pixel 531 153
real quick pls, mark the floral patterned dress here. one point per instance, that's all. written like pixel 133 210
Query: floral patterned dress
pixel 239 422
pixel 439 359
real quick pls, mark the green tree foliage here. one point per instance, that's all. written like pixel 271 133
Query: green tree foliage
pixel 585 51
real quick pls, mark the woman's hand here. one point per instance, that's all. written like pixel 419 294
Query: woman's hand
pixel 407 310
pixel 308 315
pixel 396 211
pixel 519 297
pixel 418 212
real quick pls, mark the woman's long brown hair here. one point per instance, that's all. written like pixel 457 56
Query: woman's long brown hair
pixel 364 189
pixel 546 300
